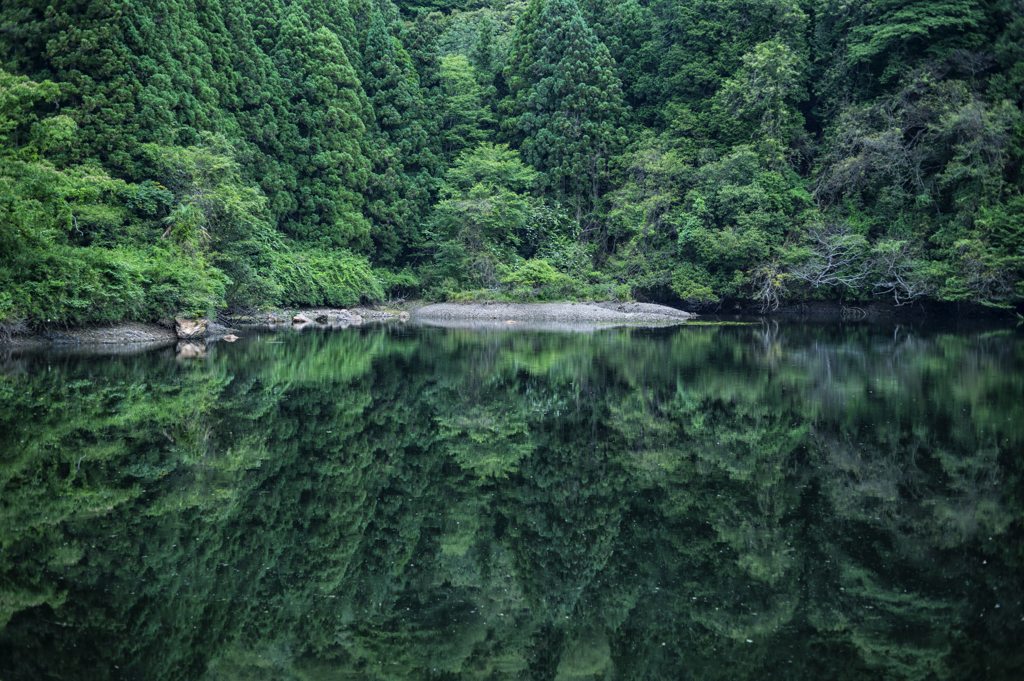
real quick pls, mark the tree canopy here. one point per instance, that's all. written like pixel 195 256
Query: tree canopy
pixel 705 152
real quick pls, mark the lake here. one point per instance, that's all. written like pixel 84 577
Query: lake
pixel 740 501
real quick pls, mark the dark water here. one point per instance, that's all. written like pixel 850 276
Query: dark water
pixel 709 502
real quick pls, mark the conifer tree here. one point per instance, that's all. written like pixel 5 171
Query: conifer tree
pixel 362 12
pixel 325 136
pixel 420 39
pixel 258 99
pixel 518 71
pixel 72 43
pixel 335 15
pixel 404 166
pixel 483 50
pixel 265 16
pixel 570 115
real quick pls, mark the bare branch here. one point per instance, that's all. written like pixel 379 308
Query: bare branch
pixel 837 258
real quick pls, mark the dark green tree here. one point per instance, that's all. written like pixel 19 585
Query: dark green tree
pixel 483 49
pixel 517 73
pixel 326 135
pixel 571 114
pixel 402 184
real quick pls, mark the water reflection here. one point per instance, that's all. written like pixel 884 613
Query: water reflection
pixel 703 502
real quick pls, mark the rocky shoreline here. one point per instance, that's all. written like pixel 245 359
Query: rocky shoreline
pixel 189 332
pixel 183 331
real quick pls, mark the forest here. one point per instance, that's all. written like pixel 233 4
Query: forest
pixel 194 156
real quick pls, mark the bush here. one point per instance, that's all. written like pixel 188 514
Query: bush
pixel 398 284
pixel 537 273
pixel 321 277
pixel 73 285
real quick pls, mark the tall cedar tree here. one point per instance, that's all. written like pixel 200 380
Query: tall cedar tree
pixel 325 135
pixel 336 15
pixel 518 72
pixel 420 39
pixel 483 50
pixel 404 167
pixel 570 115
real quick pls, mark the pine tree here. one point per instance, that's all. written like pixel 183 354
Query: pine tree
pixel 75 44
pixel 404 166
pixel 265 16
pixel 335 15
pixel 421 41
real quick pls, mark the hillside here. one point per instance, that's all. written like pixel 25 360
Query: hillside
pixel 189 156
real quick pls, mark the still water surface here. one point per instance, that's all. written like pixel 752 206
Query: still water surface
pixel 706 502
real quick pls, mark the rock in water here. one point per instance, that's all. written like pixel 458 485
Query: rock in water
pixel 301 319
pixel 191 329
pixel 230 338
pixel 191 351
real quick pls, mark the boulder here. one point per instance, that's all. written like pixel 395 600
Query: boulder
pixel 403 316
pixel 322 318
pixel 230 338
pixel 191 329
pixel 301 319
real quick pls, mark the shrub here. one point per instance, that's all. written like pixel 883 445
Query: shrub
pixel 321 277
pixel 72 285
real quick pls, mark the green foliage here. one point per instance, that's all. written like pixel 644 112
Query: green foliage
pixel 643 216
pixel 464 115
pixel 486 221
pixel 569 107
pixel 763 93
pixel 315 277
pixel 238 127
pixel 404 164
pixel 483 50
pixel 62 260
pixel 18 96
pixel 326 146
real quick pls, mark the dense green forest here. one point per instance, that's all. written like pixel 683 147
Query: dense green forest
pixel 701 503
pixel 191 155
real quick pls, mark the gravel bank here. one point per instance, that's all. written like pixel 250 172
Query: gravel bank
pixel 605 313
pixel 128 333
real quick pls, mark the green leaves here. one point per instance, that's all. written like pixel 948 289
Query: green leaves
pixel 888 23
pixel 484 215
pixel 332 122
pixel 763 94
pixel 465 116
pixel 18 96
pixel 326 147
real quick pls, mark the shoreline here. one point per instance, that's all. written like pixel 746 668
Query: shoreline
pixel 155 335
pixel 614 313
pixel 140 336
